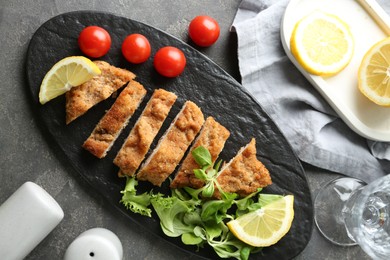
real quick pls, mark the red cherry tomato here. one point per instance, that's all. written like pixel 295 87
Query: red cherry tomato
pixel 169 61
pixel 204 30
pixel 94 41
pixel 136 48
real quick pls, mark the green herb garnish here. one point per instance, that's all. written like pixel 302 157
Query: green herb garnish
pixel 199 221
pixel 136 203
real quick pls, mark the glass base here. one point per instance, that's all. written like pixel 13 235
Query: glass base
pixel 328 206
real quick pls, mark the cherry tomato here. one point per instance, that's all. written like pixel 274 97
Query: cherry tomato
pixel 94 41
pixel 204 30
pixel 169 61
pixel 136 48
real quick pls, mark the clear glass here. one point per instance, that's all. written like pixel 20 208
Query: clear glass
pixel 350 212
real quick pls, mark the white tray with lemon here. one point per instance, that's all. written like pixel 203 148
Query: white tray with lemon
pixel 359 27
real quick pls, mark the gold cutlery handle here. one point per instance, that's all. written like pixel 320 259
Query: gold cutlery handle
pixel 377 13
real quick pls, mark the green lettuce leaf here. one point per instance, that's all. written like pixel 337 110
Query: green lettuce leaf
pixel 199 221
pixel 202 157
pixel 136 203
pixel 171 211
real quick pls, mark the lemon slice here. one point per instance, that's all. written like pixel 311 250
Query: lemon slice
pixel 65 74
pixel 322 43
pixel 265 226
pixel 374 73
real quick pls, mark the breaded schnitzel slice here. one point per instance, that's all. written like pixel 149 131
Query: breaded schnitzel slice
pixel 172 146
pixel 115 119
pixel 244 173
pixel 81 98
pixel 213 137
pixel 137 144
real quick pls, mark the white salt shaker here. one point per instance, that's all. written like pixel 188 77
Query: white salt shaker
pixel 95 244
pixel 26 218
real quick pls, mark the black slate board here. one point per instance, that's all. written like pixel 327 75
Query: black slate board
pixel 203 82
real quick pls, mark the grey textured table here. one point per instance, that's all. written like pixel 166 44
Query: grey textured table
pixel 26 156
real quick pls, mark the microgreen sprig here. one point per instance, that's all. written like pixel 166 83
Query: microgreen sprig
pixel 208 171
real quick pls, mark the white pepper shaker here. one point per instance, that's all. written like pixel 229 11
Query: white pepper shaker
pixel 26 218
pixel 95 244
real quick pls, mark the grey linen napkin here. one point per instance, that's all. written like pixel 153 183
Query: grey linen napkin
pixel 316 133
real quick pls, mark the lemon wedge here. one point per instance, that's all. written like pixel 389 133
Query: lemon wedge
pixel 265 226
pixel 374 73
pixel 322 44
pixel 65 74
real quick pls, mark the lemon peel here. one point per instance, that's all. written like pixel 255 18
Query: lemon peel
pixel 267 225
pixel 67 73
pixel 322 43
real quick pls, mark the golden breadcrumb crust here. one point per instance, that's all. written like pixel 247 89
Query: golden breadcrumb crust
pixel 244 174
pixel 172 146
pixel 116 118
pixel 213 137
pixel 138 142
pixel 81 98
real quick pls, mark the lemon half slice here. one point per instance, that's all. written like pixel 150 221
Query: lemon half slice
pixel 265 226
pixel 65 74
pixel 322 43
pixel 374 73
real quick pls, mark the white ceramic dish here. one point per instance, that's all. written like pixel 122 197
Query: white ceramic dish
pixel 369 24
